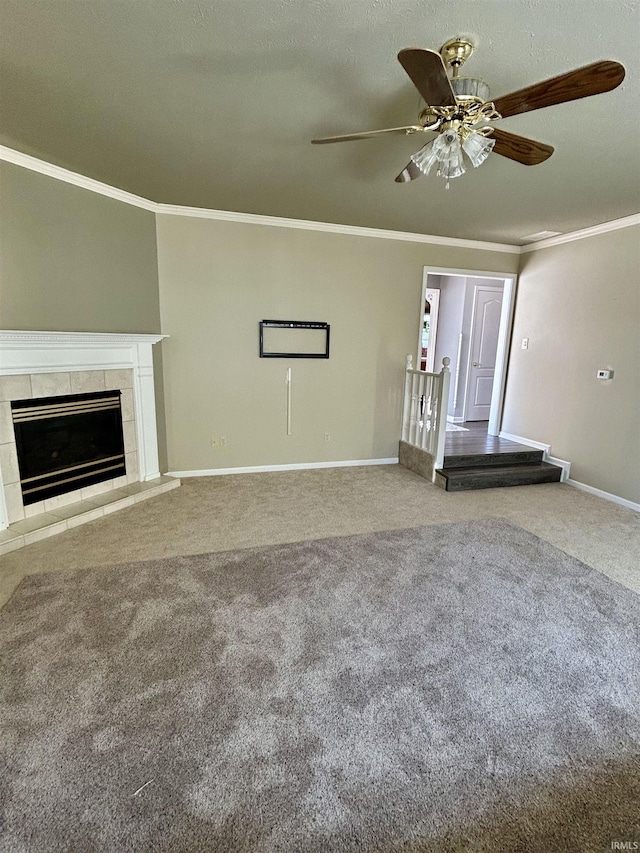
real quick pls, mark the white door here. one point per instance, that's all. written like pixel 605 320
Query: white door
pixel 485 325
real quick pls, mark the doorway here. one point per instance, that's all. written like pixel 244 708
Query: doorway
pixel 429 331
pixel 472 315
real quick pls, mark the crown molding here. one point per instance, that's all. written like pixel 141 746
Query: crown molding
pixel 333 228
pixel 592 231
pixel 60 174
pixel 9 155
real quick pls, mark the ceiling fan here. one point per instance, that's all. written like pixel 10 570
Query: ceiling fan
pixel 459 110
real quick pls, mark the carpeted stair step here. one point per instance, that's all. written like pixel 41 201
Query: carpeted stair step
pixel 482 460
pixel 497 476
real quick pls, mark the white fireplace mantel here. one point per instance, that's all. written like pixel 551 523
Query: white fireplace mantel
pixel 24 352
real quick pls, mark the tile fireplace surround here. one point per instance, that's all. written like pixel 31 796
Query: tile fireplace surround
pixel 49 364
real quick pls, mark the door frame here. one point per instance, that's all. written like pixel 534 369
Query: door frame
pixel 504 334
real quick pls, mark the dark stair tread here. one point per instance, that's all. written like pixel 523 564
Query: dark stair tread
pixel 477 460
pixel 496 476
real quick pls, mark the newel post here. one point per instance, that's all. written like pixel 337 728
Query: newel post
pixel 407 398
pixel 441 414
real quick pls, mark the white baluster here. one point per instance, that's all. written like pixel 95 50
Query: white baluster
pixel 407 399
pixel 413 421
pixel 428 413
pixel 423 406
pixel 441 413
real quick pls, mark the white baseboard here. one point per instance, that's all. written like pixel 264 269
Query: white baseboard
pixel 546 455
pixel 296 466
pixel 527 441
pixel 561 463
pixel 607 496
pixel 453 420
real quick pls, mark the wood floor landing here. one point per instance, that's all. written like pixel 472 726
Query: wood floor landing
pixel 475 460
pixel 476 441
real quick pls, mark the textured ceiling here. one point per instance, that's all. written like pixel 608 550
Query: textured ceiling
pixel 214 104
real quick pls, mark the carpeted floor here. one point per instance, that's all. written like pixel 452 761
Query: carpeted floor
pixel 446 688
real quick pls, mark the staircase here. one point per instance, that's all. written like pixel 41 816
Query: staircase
pixel 464 459
pixel 461 472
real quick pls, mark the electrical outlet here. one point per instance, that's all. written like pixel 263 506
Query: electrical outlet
pixel 215 441
pixel 327 436
pixel 525 343
pixel 223 441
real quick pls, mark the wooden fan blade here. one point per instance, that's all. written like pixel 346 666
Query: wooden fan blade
pixel 409 173
pixel 519 148
pixel 581 83
pixel 366 134
pixel 429 76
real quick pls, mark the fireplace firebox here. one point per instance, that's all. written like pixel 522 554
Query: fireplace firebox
pixel 66 443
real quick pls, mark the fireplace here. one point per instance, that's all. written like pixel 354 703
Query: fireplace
pixel 67 442
pixel 71 367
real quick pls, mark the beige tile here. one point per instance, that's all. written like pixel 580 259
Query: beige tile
pixel 86 381
pixel 121 504
pixel 109 497
pixel 148 493
pixel 97 489
pixel 142 486
pixel 13 545
pixel 13 500
pixel 50 384
pixel 29 525
pixel 15 387
pixel 34 509
pixel 118 379
pixel 72 510
pixel 119 482
pixel 164 478
pixel 129 432
pixel 7 434
pixel 131 462
pixel 59 501
pixel 9 535
pixel 9 464
pixel 126 401
pixel 45 532
pixel 92 515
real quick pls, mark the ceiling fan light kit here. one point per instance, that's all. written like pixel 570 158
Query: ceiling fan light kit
pixel 459 110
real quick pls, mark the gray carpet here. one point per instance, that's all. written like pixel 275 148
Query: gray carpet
pixel 447 688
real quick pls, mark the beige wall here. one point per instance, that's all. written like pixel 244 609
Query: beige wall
pixel 75 261
pixel 219 279
pixel 72 260
pixel 579 305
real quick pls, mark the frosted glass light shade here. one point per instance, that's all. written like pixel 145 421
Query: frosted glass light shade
pixel 445 150
pixel 425 158
pixel 477 147
pixel 449 154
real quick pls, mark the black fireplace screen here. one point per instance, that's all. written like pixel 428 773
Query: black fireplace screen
pixel 66 443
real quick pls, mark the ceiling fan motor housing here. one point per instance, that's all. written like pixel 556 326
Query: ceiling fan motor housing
pixel 470 89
